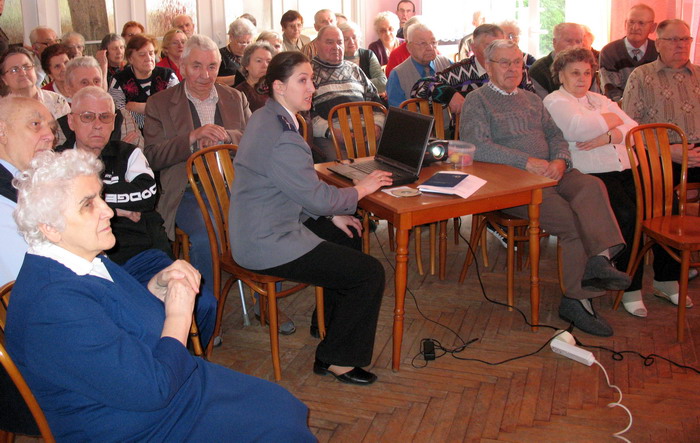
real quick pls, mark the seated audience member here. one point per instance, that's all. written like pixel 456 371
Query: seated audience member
pixel 620 57
pixel 26 128
pixel 336 81
pixel 74 42
pixel 564 36
pixel 322 18
pixel 648 98
pixel 106 357
pixel 385 25
pixel 256 58
pixel 129 188
pixel 595 128
pixel 85 71
pixel 114 47
pixel 184 23
pixel 449 87
pixel 286 222
pixel 511 30
pixel 466 45
pixel 405 10
pixel 41 38
pixel 240 34
pixel 18 79
pixel 364 58
pixel 130 29
pixel 588 39
pixel 292 23
pixel 141 78
pixel 340 18
pixel 423 62
pixel 510 126
pixel 194 114
pixel 272 38
pixel 173 45
pixel 53 62
pixel 401 53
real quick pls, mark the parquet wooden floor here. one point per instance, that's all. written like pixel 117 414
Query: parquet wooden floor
pixel 541 398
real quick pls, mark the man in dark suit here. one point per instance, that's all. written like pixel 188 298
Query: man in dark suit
pixel 181 120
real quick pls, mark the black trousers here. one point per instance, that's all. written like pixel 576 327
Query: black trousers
pixel 622 195
pixel 353 285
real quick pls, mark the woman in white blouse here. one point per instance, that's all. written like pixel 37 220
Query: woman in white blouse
pixel 595 128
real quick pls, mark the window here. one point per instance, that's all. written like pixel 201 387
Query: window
pixel 161 13
pixel 11 21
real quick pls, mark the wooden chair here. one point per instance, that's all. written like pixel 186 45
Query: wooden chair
pixel 182 243
pixel 31 405
pixel 514 230
pixel 425 107
pixel 214 168
pixel 678 234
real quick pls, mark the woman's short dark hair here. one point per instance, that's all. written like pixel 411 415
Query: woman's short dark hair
pixel 109 38
pixel 282 66
pixel 139 41
pixel 251 48
pixel 291 16
pixel 572 55
pixel 49 52
pixel 132 24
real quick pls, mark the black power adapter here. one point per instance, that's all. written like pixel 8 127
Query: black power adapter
pixel 428 349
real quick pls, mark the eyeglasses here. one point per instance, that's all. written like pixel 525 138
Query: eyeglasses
pixel 49 42
pixel 15 69
pixel 505 64
pixel 675 40
pixel 424 45
pixel 80 48
pixel 639 22
pixel 89 117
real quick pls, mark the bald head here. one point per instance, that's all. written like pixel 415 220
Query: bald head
pixel 26 128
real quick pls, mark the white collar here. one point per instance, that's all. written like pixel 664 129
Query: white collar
pixel 72 261
pixel 642 48
pixel 501 91
pixel 479 69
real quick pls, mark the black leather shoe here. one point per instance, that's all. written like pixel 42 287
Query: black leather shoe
pixel 572 311
pixel 356 376
pixel 313 330
pixel 601 274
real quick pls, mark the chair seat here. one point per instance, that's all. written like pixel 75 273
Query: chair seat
pixel 678 231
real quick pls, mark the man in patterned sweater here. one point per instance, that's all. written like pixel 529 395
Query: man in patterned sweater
pixel 337 81
pixel 451 85
pixel 511 126
pixel 620 57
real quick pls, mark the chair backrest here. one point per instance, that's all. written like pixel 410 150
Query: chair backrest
pixel 210 173
pixel 304 127
pixel 425 107
pixel 356 121
pixel 15 417
pixel 649 146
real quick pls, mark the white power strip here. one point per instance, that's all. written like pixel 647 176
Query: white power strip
pixel 573 352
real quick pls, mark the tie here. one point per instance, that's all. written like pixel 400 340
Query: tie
pixel 426 70
pixel 635 54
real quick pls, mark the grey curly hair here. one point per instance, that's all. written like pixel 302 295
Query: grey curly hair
pixel 43 189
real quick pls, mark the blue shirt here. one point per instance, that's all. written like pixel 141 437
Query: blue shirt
pixel 393 85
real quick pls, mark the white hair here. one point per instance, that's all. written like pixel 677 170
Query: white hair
pixel 388 17
pixel 85 61
pixel 412 29
pixel 43 190
pixel 201 42
pixel 93 92
pixel 241 26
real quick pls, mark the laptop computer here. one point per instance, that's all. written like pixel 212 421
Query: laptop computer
pixel 401 149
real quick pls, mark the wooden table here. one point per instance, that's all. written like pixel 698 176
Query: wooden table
pixel 505 187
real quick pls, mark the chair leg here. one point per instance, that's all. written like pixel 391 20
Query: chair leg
pixel 560 267
pixel 510 260
pixel 6 437
pixel 390 228
pixel 484 244
pixel 433 235
pixel 320 313
pixel 682 293
pixel 365 232
pixel 194 338
pixel 456 222
pixel 419 252
pixel 478 224
pixel 274 338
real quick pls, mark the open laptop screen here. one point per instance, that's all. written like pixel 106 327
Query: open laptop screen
pixel 404 137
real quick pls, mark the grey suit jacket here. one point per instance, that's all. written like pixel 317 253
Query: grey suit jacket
pixel 275 190
pixel 166 131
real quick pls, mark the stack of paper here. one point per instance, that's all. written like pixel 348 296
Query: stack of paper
pixel 453 182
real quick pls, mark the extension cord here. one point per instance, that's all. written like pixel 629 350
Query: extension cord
pixel 573 352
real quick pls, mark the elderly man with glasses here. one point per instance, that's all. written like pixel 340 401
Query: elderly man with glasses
pixel 423 62
pixel 41 38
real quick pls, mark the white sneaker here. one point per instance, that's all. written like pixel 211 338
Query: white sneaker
pixel 669 290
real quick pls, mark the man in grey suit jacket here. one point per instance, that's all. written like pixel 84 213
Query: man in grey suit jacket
pixel 180 120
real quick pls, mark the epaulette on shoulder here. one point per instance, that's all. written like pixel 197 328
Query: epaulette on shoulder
pixel 286 124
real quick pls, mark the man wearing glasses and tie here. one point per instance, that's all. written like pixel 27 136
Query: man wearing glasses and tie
pixel 620 57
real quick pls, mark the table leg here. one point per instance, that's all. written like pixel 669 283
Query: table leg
pixel 533 211
pixel 400 278
pixel 443 248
